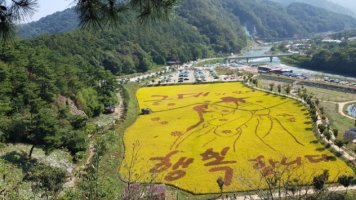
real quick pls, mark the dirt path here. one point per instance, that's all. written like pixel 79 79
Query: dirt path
pixel 341 106
pixel 341 109
pixel 277 195
pixel 119 111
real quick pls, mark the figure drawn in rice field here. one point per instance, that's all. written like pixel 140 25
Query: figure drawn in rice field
pixel 224 119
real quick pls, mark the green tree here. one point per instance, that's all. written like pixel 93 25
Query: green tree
pixel 43 131
pixel 319 181
pixel 92 13
pixel 279 88
pixel 89 101
pixel 336 132
pixel 46 179
pixel 90 181
pixel 327 134
pixel 339 143
pixel 288 88
pixel 345 181
pixel 271 86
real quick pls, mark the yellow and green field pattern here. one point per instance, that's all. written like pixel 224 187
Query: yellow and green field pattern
pixel 200 133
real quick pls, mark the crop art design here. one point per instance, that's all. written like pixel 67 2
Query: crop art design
pixel 200 133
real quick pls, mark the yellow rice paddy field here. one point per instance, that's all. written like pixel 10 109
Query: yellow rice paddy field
pixel 200 133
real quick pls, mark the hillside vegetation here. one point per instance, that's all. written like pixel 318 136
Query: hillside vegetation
pixel 325 4
pixel 57 78
pixel 42 77
pixel 333 58
pixel 79 65
pixel 224 22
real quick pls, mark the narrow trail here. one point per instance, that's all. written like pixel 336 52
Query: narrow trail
pixel 285 195
pixel 119 111
pixel 341 106
pixel 341 109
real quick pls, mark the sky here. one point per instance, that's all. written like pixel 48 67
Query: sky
pixel 350 4
pixel 47 7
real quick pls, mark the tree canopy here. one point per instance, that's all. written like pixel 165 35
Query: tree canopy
pixel 92 13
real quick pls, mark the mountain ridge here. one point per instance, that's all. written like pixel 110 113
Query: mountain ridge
pixel 325 4
pixel 266 19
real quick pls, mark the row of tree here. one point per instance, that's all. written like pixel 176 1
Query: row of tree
pixel 334 58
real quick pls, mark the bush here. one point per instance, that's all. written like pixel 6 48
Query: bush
pixel 45 179
pixel 339 143
pixel 89 101
pixel 78 121
pixel 334 196
pixel 321 128
pixel 338 154
pixel 74 141
pixel 79 156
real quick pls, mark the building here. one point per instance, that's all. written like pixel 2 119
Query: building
pixel 331 41
pixel 173 62
pixel 273 70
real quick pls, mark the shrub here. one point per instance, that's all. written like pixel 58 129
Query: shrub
pixel 45 179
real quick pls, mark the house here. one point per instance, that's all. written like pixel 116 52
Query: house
pixel 263 69
pixel 173 62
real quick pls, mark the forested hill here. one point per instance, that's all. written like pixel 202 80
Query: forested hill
pixel 225 19
pixel 325 4
pixel 272 20
pixel 309 18
pixel 58 22
pixel 133 47
pixel 47 81
pixel 331 58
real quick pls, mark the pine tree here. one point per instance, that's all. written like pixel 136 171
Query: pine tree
pixel 93 14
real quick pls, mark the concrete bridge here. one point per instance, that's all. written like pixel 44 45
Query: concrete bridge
pixel 247 58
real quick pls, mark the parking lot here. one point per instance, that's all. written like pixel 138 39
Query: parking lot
pixel 189 75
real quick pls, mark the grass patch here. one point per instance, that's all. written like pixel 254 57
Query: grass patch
pixel 109 178
pixel 331 95
pixel 336 120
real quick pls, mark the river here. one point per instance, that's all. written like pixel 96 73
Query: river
pixel 262 50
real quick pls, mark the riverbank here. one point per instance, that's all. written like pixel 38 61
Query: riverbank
pixel 301 63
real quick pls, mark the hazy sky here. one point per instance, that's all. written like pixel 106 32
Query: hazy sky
pixel 47 7
pixel 350 4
